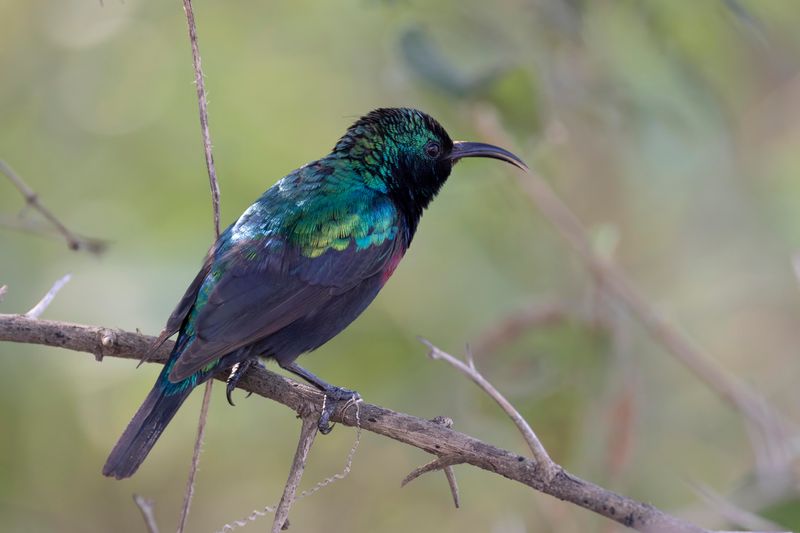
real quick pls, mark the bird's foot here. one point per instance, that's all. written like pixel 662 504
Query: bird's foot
pixel 334 395
pixel 237 371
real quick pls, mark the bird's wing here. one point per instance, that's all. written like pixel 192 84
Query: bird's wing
pixel 268 285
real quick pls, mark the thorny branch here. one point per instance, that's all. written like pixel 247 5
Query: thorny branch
pixel 74 241
pixel 420 433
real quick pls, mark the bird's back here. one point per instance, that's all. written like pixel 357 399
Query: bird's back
pixel 295 269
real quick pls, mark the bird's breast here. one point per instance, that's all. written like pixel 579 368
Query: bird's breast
pixel 391 265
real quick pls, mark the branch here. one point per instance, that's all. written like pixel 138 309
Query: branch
pixel 521 321
pixel 147 507
pixel 202 104
pixel 543 460
pixel 75 242
pixel 198 447
pixel 44 303
pixel 418 432
pixel 308 432
pixel 440 463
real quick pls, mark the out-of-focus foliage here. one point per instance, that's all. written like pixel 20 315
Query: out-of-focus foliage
pixel 671 127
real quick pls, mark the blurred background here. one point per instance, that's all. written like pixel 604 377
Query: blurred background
pixel 670 127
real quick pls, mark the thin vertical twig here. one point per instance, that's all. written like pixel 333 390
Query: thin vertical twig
pixel 308 432
pixel 147 507
pixel 202 104
pixel 198 447
pixel 260 513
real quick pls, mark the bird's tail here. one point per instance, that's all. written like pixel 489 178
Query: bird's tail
pixel 146 426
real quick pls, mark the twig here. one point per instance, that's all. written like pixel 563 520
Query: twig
pixel 440 463
pixel 734 514
pixel 202 104
pixel 39 308
pixel 3 291
pixel 510 328
pixel 453 484
pixel 259 513
pixel 747 401
pixel 418 432
pixel 198 447
pixel 548 467
pixel 308 432
pixel 147 507
pixel 74 242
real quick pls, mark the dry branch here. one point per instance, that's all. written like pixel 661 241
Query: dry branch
pixel 37 310
pixel 147 507
pixel 420 433
pixel 548 467
pixel 308 431
pixel 74 241
pixel 521 321
pixel 202 105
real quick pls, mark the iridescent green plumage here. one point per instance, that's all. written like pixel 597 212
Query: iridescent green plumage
pixel 301 263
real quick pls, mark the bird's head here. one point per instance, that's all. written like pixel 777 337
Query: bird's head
pixel 408 154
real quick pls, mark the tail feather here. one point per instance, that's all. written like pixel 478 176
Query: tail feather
pixel 144 429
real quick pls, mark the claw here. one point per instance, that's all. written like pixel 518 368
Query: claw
pixel 333 395
pixel 237 371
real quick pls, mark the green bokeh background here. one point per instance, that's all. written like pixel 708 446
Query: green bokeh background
pixel 671 127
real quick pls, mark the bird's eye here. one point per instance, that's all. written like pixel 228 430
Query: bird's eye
pixel 433 149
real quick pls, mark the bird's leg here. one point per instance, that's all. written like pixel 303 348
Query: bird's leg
pixel 333 394
pixel 237 371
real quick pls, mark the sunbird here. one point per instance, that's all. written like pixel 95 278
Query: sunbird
pixel 300 264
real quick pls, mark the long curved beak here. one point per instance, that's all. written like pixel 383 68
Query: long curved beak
pixel 462 149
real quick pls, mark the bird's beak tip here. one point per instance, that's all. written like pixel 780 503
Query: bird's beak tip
pixel 462 149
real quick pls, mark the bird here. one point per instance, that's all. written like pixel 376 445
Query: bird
pixel 300 264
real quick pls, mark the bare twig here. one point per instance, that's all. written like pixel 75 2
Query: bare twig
pixel 733 513
pixel 440 463
pixel 39 308
pixel 513 326
pixel 259 513
pixel 418 432
pixel 453 484
pixel 203 109
pixel 308 432
pixel 198 447
pixel 202 104
pixel 3 291
pixel 74 241
pixel 755 410
pixel 548 467
pixel 147 507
